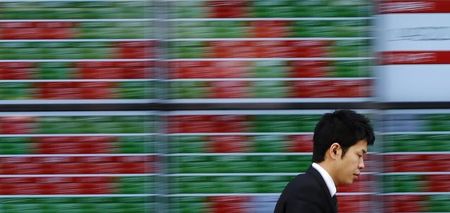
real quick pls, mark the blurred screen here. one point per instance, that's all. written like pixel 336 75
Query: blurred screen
pixel 189 53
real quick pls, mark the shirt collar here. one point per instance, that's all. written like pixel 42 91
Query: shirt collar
pixel 327 178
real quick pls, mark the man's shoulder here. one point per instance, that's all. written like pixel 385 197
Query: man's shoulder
pixel 303 182
pixel 304 193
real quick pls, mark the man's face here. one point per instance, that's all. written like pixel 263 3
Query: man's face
pixel 350 166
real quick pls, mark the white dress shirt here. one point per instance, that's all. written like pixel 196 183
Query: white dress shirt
pixel 328 180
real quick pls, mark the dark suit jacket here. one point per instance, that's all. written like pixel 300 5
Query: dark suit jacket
pixel 306 193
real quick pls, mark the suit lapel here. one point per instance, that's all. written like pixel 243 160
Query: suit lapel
pixel 313 172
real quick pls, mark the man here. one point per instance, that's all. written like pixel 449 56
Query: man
pixel 340 143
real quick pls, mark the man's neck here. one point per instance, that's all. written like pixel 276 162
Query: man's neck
pixel 329 168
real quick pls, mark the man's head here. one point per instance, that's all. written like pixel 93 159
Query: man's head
pixel 340 143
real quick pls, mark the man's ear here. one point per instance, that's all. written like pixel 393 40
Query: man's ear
pixel 335 151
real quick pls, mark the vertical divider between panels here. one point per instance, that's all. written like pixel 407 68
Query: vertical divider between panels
pixel 377 199
pixel 161 72
pixel 161 180
pixel 153 127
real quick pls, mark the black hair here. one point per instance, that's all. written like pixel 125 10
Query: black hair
pixel 345 127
